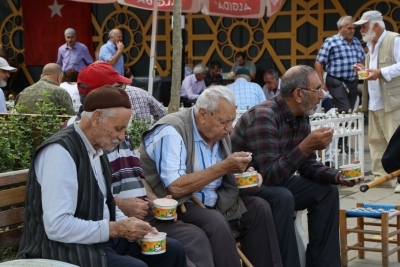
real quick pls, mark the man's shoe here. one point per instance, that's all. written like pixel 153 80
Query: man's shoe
pixel 397 189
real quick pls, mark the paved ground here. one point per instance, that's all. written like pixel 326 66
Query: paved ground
pixel 348 199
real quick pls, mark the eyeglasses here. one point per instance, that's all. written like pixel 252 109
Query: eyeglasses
pixel 312 90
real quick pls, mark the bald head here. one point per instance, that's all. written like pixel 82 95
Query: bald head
pixel 295 77
pixel 53 72
pixel 115 36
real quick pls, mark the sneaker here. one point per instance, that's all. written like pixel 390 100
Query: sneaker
pixel 397 189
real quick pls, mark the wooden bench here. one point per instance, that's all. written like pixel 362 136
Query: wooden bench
pixel 12 194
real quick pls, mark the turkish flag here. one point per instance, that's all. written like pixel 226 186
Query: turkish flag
pixel 44 23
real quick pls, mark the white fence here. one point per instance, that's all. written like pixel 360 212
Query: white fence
pixel 350 126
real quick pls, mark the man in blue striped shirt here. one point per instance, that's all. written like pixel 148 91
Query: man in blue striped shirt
pixel 188 152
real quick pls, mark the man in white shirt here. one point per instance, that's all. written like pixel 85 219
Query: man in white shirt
pixel 70 212
pixel 193 85
pixel 381 92
pixel 5 70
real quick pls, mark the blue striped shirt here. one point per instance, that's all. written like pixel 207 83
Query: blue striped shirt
pixel 339 57
pixel 247 94
pixel 165 146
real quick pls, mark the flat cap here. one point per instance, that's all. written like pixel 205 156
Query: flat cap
pixel 106 97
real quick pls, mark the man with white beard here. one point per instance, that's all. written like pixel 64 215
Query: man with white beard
pixel 381 92
pixel 5 70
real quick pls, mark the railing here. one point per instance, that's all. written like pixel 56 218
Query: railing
pixel 350 126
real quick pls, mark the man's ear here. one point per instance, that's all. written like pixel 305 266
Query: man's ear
pixel 202 115
pixel 298 95
pixel 96 117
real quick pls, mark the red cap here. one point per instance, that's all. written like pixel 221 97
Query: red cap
pixel 97 75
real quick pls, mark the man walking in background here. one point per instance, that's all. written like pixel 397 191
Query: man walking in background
pixel 339 53
pixel 73 55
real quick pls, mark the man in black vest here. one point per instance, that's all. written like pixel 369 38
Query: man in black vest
pixel 70 213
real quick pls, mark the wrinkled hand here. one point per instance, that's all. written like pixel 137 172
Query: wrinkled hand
pixel 259 177
pixel 120 46
pixel 319 139
pixel 358 66
pixel 131 229
pixel 373 74
pixel 133 207
pixel 350 183
pixel 237 162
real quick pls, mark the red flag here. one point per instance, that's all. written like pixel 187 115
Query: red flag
pixel 44 24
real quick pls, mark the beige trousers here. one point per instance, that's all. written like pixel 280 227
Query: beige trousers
pixel 381 127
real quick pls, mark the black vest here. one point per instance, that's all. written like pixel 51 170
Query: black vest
pixel 34 242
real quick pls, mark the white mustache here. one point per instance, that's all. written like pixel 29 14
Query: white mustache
pixel 115 141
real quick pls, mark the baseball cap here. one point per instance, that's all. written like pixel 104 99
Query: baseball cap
pixel 97 75
pixel 372 15
pixel 243 71
pixel 4 65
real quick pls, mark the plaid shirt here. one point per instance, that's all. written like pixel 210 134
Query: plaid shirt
pixel 339 57
pixel 247 94
pixel 273 134
pixel 144 104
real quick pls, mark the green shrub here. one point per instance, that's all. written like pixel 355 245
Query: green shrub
pixel 21 134
pixel 136 128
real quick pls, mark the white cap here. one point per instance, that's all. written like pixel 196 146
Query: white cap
pixel 372 15
pixel 4 65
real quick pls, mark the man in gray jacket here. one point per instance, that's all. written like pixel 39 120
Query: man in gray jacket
pixel 189 153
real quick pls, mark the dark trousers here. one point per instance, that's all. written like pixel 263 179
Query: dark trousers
pixel 188 102
pixel 191 237
pixel 342 99
pixel 120 253
pixel 259 240
pixel 322 203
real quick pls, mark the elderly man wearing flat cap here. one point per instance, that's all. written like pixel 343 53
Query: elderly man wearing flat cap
pixel 72 54
pixel 70 211
pixel 5 70
pixel 247 94
pixel 129 189
pixel 381 92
